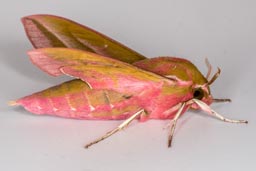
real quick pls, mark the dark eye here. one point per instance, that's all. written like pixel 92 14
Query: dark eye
pixel 198 93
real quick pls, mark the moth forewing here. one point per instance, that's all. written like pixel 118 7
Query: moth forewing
pixel 53 31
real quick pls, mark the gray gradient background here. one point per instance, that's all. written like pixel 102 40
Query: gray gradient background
pixel 222 30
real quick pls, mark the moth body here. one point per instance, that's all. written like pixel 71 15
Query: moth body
pixel 112 82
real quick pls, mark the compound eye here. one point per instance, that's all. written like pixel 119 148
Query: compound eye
pixel 198 94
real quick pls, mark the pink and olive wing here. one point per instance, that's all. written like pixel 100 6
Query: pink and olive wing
pixel 75 99
pixel 100 72
pixel 53 31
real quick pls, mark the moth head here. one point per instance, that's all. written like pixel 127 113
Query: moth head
pixel 183 72
pixel 202 92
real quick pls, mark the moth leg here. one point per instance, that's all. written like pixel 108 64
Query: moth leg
pixel 207 109
pixel 170 137
pixel 115 130
pixel 221 100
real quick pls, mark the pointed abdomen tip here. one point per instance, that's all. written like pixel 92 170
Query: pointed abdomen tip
pixel 12 103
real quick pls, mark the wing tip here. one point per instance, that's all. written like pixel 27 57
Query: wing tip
pixel 42 61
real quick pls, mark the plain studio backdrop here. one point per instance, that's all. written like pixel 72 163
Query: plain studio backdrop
pixel 221 30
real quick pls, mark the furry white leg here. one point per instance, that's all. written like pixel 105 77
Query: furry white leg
pixel 208 109
pixel 115 130
pixel 170 137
